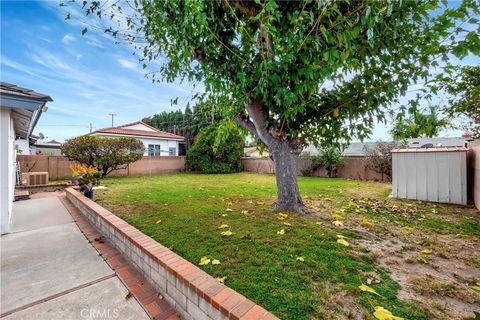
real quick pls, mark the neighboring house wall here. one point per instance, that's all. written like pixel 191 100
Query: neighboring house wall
pixel 7 165
pixel 58 167
pixel 164 144
pixel 47 150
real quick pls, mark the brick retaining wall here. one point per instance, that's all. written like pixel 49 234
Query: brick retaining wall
pixel 192 292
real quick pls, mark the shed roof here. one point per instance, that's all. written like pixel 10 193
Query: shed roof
pixel 436 149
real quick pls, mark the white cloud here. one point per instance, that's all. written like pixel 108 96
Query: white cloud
pixel 128 64
pixel 68 38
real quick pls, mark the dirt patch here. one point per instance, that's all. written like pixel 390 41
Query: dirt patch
pixel 439 283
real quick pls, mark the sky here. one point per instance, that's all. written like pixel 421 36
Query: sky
pixel 89 76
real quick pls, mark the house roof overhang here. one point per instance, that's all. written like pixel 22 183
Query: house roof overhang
pixel 26 107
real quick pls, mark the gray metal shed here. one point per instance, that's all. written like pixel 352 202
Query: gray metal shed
pixel 430 174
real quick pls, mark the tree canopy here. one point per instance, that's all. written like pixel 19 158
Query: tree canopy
pixel 417 124
pixel 463 86
pixel 209 155
pixel 105 154
pixel 297 72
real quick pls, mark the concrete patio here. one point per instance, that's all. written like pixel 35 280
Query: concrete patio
pixel 50 271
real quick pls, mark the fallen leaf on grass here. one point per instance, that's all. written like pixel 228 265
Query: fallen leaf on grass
pixel 319 223
pixel 383 314
pixel 337 216
pixel 339 236
pixel 260 202
pixel 229 210
pixel 204 261
pixel 282 216
pixel 343 241
pixel 245 211
pixel 366 221
pixel 287 224
pixel 221 280
pixel 227 233
pixel 337 223
pixel 224 215
pixel 302 259
pixel 366 288
pixel 476 286
pixel 223 226
pixel 426 251
pixel 158 221
pixel 215 261
pixel 281 232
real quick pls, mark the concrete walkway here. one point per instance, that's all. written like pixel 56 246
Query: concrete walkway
pixel 50 271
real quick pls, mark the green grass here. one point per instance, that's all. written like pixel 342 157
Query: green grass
pixel 255 260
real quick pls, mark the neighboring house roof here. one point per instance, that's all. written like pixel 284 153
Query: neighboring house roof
pixel 26 107
pixel 132 129
pixel 254 153
pixel 357 149
pixel 53 142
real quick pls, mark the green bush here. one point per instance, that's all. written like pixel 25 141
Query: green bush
pixel 222 157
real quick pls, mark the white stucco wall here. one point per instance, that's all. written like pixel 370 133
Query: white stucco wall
pixel 22 146
pixel 7 168
pixel 165 144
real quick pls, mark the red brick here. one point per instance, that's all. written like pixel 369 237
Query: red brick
pixel 255 313
pixel 231 302
pixel 221 296
pixel 269 316
pixel 152 309
pixel 208 285
pixel 210 292
pixel 241 309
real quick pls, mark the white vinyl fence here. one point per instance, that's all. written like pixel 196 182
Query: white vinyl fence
pixel 430 174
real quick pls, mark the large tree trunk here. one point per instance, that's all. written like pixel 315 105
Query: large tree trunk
pixel 288 194
pixel 285 153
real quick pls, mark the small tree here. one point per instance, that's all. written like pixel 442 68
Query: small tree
pixel 418 124
pixel 379 158
pixel 216 151
pixel 331 160
pixel 105 154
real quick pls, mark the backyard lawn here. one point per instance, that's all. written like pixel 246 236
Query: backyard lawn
pixel 422 259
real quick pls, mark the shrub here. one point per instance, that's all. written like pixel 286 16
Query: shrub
pixel 330 159
pixel 105 154
pixel 379 158
pixel 209 154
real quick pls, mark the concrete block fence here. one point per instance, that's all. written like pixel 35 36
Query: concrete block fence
pixel 193 293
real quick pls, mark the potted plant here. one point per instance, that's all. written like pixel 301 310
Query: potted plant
pixel 85 177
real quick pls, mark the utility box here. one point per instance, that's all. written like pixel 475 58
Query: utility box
pixel 436 174
pixel 34 178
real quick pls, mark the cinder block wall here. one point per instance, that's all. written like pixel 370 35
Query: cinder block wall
pixel 353 168
pixel 58 167
pixel 193 293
